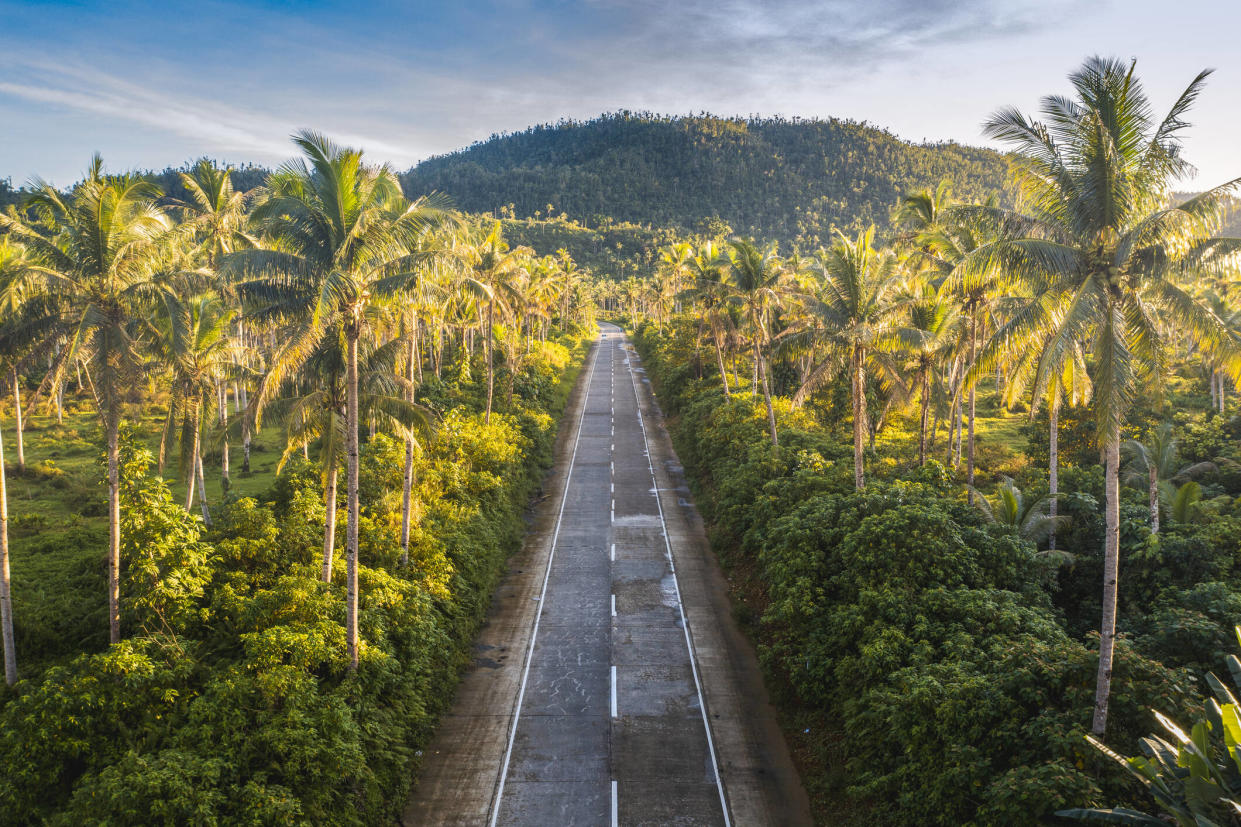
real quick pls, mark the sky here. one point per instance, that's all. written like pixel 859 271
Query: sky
pixel 150 85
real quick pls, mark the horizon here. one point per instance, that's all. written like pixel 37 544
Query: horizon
pixel 232 81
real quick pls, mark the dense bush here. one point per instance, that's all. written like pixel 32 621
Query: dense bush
pixel 934 643
pixel 230 700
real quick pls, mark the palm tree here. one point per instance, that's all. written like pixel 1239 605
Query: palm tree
pixel 1095 180
pixel 217 215
pixel 192 338
pixel 757 279
pixel 1024 517
pixel 1052 367
pixel 931 333
pixel 709 269
pixel 1155 465
pixel 340 233
pixel 854 314
pixel 97 252
pixel 319 414
pixel 491 264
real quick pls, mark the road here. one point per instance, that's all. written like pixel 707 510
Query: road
pixel 595 712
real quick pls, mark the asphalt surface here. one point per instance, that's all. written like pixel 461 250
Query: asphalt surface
pixel 591 700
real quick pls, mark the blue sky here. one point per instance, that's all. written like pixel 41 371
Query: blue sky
pixel 156 84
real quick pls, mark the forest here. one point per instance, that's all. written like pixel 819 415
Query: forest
pixel 977 488
pixel 267 454
pixel 771 179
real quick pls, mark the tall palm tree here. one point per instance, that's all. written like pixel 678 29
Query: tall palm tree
pixel 1053 368
pixel 218 216
pixel 709 267
pixel 854 314
pixel 757 279
pixel 318 414
pixel 99 253
pixel 1095 180
pixel 928 336
pixel 192 337
pixel 491 263
pixel 340 233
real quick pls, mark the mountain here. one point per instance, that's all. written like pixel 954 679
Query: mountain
pixel 771 178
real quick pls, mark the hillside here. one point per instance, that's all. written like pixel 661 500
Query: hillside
pixel 772 178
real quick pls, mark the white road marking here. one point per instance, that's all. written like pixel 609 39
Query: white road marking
pixel 689 642
pixel 613 605
pixel 612 555
pixel 615 819
pixel 525 675
pixel 613 691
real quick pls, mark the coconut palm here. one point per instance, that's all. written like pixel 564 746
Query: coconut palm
pixel 1026 518
pixel 318 415
pixel 709 267
pixel 1052 368
pixel 340 233
pixel 490 263
pixel 192 338
pixel 757 282
pixel 943 235
pixel 929 335
pixel 1155 465
pixel 1095 180
pixel 853 315
pixel 98 253
pixel 218 217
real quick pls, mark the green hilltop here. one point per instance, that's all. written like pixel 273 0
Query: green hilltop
pixel 773 178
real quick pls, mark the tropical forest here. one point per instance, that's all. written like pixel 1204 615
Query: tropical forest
pixel 912 472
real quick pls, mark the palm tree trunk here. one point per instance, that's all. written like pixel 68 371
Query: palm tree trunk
pixel 1154 498
pixel 1111 567
pixel 245 445
pixel 771 412
pixel 1214 383
pixel 113 427
pixel 926 408
pixel 202 490
pixel 6 599
pixel 970 449
pixel 60 402
pixel 329 522
pixel 17 413
pixel 194 448
pixel 407 484
pixel 719 358
pixel 490 362
pixel 351 490
pixel 859 419
pixel 1053 470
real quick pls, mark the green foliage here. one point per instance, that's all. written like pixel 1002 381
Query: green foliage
pixel 1195 776
pixel 770 178
pixel 230 700
pixel 924 635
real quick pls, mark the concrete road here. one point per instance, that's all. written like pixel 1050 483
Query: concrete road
pixel 598 701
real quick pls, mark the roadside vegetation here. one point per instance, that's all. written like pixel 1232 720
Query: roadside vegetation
pixel 274 448
pixel 976 482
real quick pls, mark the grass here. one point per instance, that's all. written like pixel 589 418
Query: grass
pixel 58 523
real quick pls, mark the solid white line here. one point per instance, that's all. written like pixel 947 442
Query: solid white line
pixel 689 642
pixel 613 691
pixel 525 675
pixel 615 819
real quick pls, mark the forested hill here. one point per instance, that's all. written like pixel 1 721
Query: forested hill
pixel 772 178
